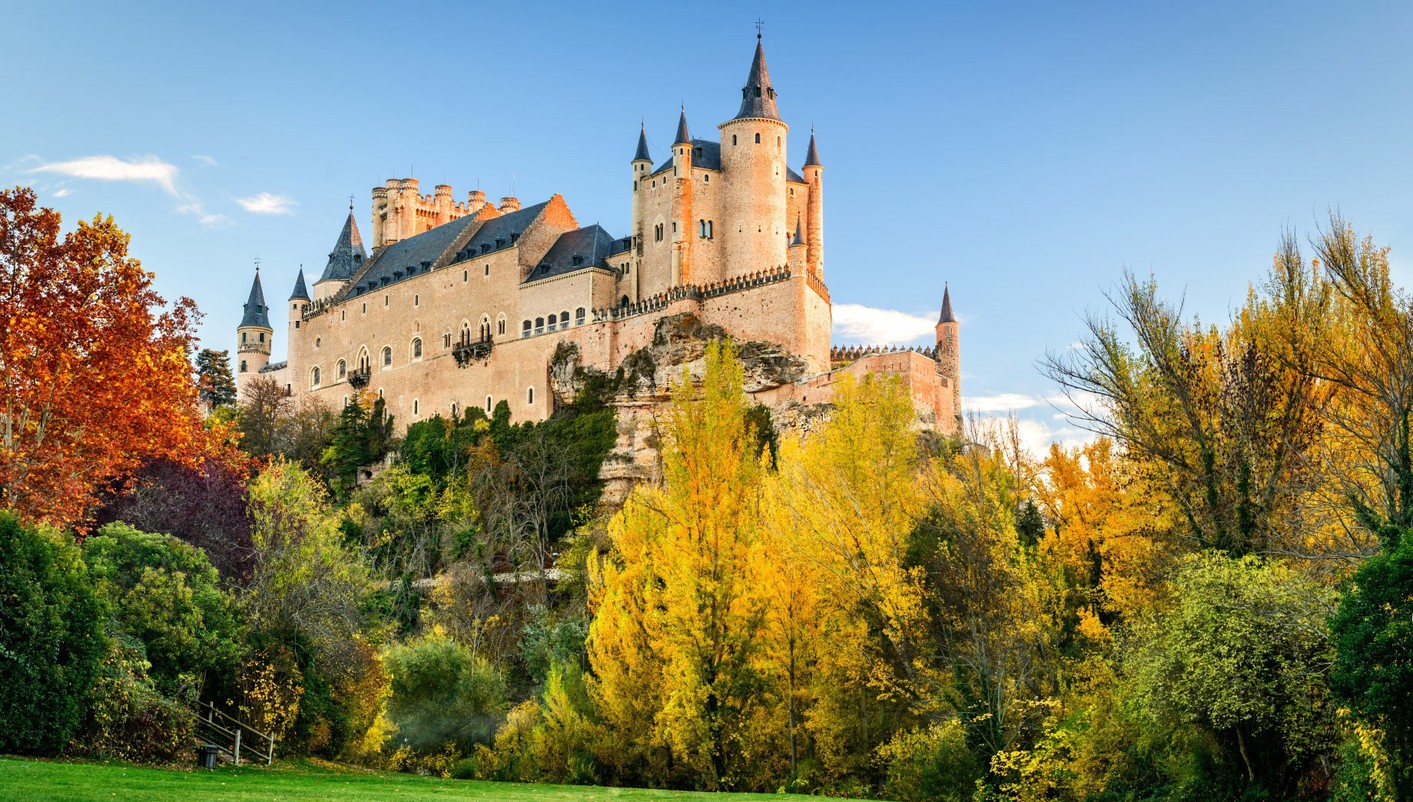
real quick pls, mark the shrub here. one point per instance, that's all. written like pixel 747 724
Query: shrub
pixel 442 694
pixel 128 719
pixel 51 640
pixel 929 764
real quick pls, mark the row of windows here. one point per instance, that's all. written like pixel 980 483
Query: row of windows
pixel 455 407
pixel 553 322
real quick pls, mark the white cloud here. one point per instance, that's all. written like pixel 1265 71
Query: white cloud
pixel 265 203
pixel 112 168
pixel 204 159
pixel 1000 402
pixel 63 193
pixel 864 324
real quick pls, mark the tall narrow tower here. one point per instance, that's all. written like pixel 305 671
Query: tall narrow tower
pixel 682 233
pixel 753 161
pixel 814 174
pixel 253 337
pixel 642 165
pixel 949 355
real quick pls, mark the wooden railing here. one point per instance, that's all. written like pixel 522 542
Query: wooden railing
pixel 231 736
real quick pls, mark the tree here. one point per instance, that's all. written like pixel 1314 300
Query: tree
pixel 443 694
pixel 1373 671
pixel 94 378
pixel 215 384
pixel 51 638
pixel 262 410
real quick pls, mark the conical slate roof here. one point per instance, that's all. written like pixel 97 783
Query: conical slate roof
pixel 642 154
pixel 348 255
pixel 300 292
pixel 683 138
pixel 812 157
pixel 757 96
pixel 256 313
pixel 946 316
pixel 799 240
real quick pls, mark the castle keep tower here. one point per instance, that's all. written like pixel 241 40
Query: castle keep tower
pixel 753 160
pixel 814 175
pixel 642 165
pixel 253 337
pixel 682 233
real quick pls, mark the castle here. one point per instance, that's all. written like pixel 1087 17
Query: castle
pixel 466 303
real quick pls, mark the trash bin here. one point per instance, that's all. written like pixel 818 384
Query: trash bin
pixel 206 756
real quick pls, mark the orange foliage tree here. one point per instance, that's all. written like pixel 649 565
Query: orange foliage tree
pixel 94 378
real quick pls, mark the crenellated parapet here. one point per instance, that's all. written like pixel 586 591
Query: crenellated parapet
pixel 843 355
pixel 662 300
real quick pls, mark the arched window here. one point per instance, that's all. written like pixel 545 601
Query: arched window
pixel 733 139
pixel 710 226
pixel 343 369
pixel 446 340
pixel 525 328
pixel 387 356
pixel 380 392
pixel 314 377
pixel 757 139
pixel 485 327
pixel 530 396
pixel 364 363
pixel 318 341
pixel 465 332
pixel 701 224
pixel 500 325
pixel 564 320
pixel 417 348
pixel 453 410
pixel 579 316
pixel 552 320
pixel 623 301
pixel 539 325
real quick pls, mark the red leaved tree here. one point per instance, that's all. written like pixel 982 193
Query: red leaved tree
pixel 94 378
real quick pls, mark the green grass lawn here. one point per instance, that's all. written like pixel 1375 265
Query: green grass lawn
pixel 36 781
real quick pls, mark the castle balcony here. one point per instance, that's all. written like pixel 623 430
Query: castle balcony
pixel 468 351
pixel 254 348
pixel 359 378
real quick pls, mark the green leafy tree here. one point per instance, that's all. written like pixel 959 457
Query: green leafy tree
pixel 165 594
pixel 443 694
pixel 215 385
pixel 51 639
pixel 1374 668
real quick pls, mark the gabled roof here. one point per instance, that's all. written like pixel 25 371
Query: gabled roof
pixel 301 293
pixel 348 256
pixel 499 232
pixel 574 251
pixel 946 316
pixel 642 154
pixel 256 313
pixel 409 257
pixel 758 96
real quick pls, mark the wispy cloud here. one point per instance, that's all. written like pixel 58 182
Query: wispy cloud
pixel 265 203
pixel 111 168
pixel 209 161
pixel 865 324
pixel 1000 402
pixel 63 192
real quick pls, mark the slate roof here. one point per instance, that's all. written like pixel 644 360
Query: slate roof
pixel 642 155
pixel 409 257
pixel 589 245
pixel 301 293
pixel 798 240
pixel 812 157
pixel 499 232
pixel 682 135
pixel 705 153
pixel 256 313
pixel 758 96
pixel 348 256
pixel 946 316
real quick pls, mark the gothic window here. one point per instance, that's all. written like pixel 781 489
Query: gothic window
pixel 446 340
pixel 485 327
pixel 623 301
pixel 387 356
pixel 343 368
pixel 465 332
pixel 363 361
pixel 500 325
pixel 579 316
pixel 564 320
pixel 314 377
pixel 417 348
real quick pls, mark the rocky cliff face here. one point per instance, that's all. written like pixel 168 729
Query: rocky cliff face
pixel 641 390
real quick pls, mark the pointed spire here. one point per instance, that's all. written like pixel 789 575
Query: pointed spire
pixel 758 96
pixel 812 156
pixel 255 312
pixel 799 239
pixel 300 292
pixel 946 316
pixel 683 138
pixel 642 155
pixel 348 254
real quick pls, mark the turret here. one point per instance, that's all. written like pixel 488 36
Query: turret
pixel 753 162
pixel 641 166
pixel 814 175
pixel 949 353
pixel 254 336
pixel 298 300
pixel 798 250
pixel 346 258
pixel 682 204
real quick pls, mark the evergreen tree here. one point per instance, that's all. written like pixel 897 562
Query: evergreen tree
pixel 215 384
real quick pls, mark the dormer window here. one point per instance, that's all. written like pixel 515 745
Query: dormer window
pixel 578 260
pixel 514 236
pixel 485 247
pixel 500 243
pixel 544 268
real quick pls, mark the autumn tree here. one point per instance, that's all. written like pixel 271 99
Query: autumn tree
pixel 94 378
pixel 216 386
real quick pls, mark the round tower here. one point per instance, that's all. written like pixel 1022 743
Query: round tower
pixel 682 205
pixel 753 149
pixel 641 166
pixel 814 176
pixel 253 336
pixel 949 356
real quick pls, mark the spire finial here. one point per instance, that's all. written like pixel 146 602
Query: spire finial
pixel 760 23
pixel 350 202
pixel 257 263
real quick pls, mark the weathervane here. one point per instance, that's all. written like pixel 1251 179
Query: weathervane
pixel 350 201
pixel 257 263
pixel 760 23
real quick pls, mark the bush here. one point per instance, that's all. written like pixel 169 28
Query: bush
pixel 51 640
pixel 128 719
pixel 929 764
pixel 443 695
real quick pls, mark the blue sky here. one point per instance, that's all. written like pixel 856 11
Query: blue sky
pixel 1027 153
